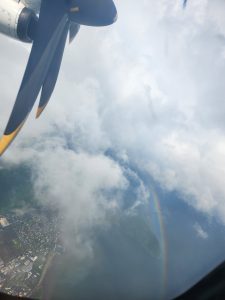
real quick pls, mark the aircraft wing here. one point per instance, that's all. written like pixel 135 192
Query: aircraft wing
pixel 52 25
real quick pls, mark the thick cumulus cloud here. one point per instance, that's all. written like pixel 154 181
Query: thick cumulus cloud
pixel 151 88
pixel 83 188
pixel 78 181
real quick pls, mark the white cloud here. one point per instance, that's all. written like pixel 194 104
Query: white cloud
pixel 78 180
pixel 85 188
pixel 151 88
pixel 200 232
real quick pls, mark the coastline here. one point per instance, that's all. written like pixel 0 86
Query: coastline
pixel 37 292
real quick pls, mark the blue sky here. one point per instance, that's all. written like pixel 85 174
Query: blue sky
pixel 150 89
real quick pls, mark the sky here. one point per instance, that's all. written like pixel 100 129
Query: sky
pixel 143 99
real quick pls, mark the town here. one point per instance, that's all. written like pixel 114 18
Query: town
pixel 28 243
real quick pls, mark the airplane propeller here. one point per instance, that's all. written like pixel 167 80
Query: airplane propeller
pixel 74 28
pixel 93 13
pixel 184 4
pixel 56 19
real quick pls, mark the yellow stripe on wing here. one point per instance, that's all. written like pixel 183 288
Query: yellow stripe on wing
pixel 6 140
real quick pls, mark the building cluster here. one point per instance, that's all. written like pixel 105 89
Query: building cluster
pixel 26 243
pixel 3 222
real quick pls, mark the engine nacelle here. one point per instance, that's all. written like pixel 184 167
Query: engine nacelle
pixel 17 21
pixel 32 4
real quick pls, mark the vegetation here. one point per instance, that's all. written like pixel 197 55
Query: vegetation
pixel 16 188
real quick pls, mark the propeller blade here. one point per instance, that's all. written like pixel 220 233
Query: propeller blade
pixel 52 75
pixel 49 30
pixel 93 12
pixel 184 3
pixel 74 28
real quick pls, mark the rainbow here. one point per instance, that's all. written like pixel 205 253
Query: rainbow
pixel 158 225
